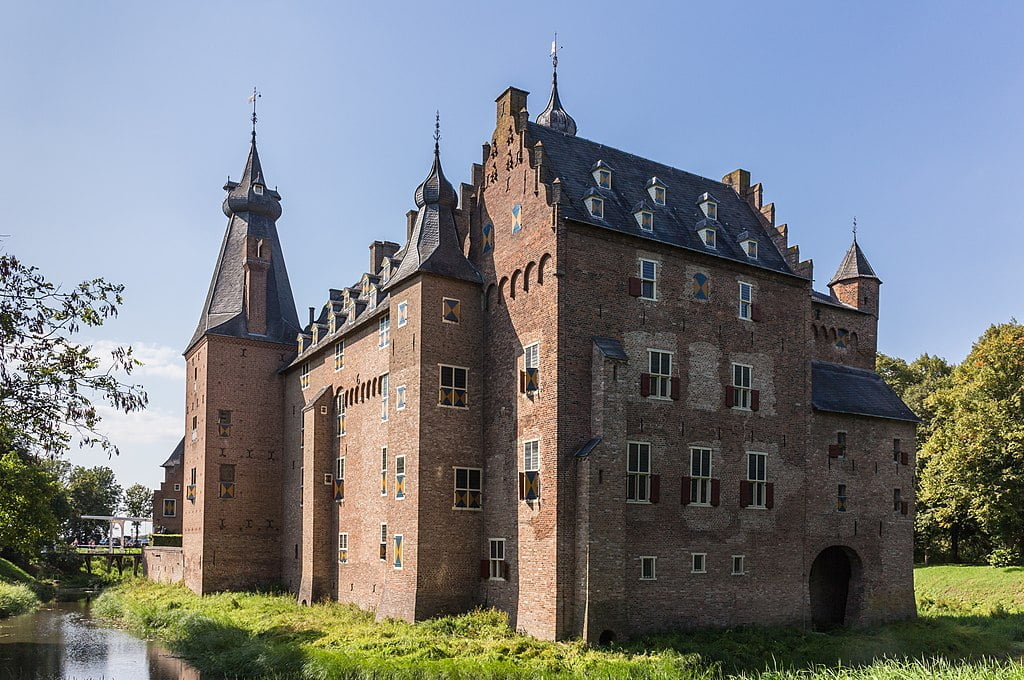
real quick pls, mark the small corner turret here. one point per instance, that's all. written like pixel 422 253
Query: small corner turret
pixel 855 282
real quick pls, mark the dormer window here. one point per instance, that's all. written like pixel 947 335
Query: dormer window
pixel 602 175
pixel 656 190
pixel 316 334
pixel 385 272
pixel 301 340
pixel 707 235
pixel 645 218
pixel 596 207
pixel 332 322
pixel 257 189
pixel 709 206
pixel 750 248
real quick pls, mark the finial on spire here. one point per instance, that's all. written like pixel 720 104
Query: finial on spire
pixel 437 132
pixel 252 100
pixel 854 227
pixel 554 55
pixel 554 116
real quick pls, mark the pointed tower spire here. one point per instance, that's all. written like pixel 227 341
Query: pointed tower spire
pixel 434 242
pixel 554 116
pixel 855 264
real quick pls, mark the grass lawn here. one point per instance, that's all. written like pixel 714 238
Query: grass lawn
pixel 16 597
pixel 971 626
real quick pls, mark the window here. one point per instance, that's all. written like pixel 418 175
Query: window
pixel 708 237
pixel 339 355
pixel 757 478
pixel 841 438
pixel 400 398
pixel 746 301
pixel 339 478
pixel 700 476
pixel 699 563
pixel 304 375
pixel 897 500
pixel 384 471
pixel 302 485
pixel 403 313
pixel 451 310
pixel 398 551
pixel 529 478
pixel 661 374
pixel 531 456
pixel 656 190
pixel 399 477
pixel 339 414
pixel 531 356
pixel 741 378
pixel 750 248
pixel 841 498
pixel 596 207
pixel 342 548
pixel 708 205
pixel 531 368
pixel 383 541
pixel 384 394
pixel 647 568
pixel 896 450
pixel 257 189
pixel 170 509
pixel 645 218
pixel 453 387
pixel 604 178
pixel 648 279
pixel 195 428
pixel 177 487
pixel 467 488
pixel 227 482
pixel 224 423
pixel 496 561
pixel 737 565
pixel 384 331
pixel 638 473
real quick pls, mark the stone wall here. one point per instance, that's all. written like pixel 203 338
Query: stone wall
pixel 163 564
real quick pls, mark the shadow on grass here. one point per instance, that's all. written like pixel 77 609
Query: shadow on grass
pixel 223 650
pixel 948 637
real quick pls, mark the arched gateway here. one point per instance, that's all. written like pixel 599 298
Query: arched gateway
pixel 834 586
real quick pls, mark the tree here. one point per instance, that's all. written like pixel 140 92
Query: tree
pixel 138 502
pixel 915 382
pixel 47 382
pixel 92 491
pixel 974 459
pixel 31 499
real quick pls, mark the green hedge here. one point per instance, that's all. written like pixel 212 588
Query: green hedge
pixel 165 540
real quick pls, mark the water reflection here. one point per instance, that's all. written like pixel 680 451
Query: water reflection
pixel 60 642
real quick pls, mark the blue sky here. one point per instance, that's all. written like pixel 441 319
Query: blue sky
pixel 120 122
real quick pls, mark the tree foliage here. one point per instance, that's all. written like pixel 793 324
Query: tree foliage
pixel 138 502
pixel 47 382
pixel 31 499
pixel 92 491
pixel 915 382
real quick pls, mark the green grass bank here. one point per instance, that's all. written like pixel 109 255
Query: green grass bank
pixel 16 594
pixel 971 626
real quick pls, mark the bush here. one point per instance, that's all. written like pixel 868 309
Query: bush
pixel 165 540
pixel 1004 557
pixel 16 598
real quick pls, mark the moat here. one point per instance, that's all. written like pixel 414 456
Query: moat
pixel 61 640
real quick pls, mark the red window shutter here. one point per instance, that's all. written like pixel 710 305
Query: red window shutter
pixel 904 458
pixel 522 381
pixel 504 570
pixel 645 384
pixel 730 396
pixel 746 494
pixel 522 486
pixel 485 569
pixel 684 493
pixel 755 400
pixel 675 388
pixel 716 492
pixel 635 286
pixel 769 495
pixel 755 312
pixel 835 450
pixel 655 488
pixel 904 507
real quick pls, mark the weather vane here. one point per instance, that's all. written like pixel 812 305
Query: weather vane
pixel 554 52
pixel 437 131
pixel 252 100
pixel 854 227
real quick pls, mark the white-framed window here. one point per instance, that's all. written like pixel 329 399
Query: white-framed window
pixel 451 310
pixel 384 331
pixel 750 248
pixel 741 379
pixel 648 279
pixel 496 559
pixel 403 313
pixel 304 375
pixel 657 193
pixel 385 392
pixel 700 475
pixel 531 455
pixel 604 178
pixel 645 218
pixel 531 367
pixel 339 355
pixel 257 189
pixel 400 398
pixel 757 475
pixel 738 565
pixel 709 206
pixel 383 541
pixel 746 301
pixel 177 487
pixel 708 237
pixel 170 507
pixel 468 488
pixel 596 206
pixel 699 563
pixel 648 568
pixel 453 387
pixel 399 477
pixel 339 478
pixel 660 363
pixel 384 471
pixel 339 414
pixel 343 548
pixel 638 472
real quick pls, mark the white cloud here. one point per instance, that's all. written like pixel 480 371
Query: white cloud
pixel 159 361
pixel 140 429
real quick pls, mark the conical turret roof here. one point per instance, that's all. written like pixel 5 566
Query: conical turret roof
pixel 854 266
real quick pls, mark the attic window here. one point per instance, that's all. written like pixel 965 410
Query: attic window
pixel 656 190
pixel 596 207
pixel 257 189
pixel 645 218
pixel 708 237
pixel 750 248
pixel 709 206
pixel 385 272
pixel 602 175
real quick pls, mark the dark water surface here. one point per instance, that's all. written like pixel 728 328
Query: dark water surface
pixel 60 640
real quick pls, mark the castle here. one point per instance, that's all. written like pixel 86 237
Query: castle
pixel 590 390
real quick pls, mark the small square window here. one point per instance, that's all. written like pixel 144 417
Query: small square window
pixel 738 567
pixel 596 207
pixel 699 564
pixel 451 310
pixel 257 189
pixel 648 568
pixel 403 313
pixel 177 487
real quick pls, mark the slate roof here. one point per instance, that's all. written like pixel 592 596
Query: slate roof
pixel 554 115
pixel 827 299
pixel 675 223
pixel 177 456
pixel 843 389
pixel 610 347
pixel 585 450
pixel 249 214
pixel 854 266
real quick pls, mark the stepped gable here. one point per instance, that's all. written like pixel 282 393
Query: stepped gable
pixel 857 391
pixel 252 209
pixel 675 223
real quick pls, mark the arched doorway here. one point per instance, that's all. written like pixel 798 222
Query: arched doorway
pixel 833 574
